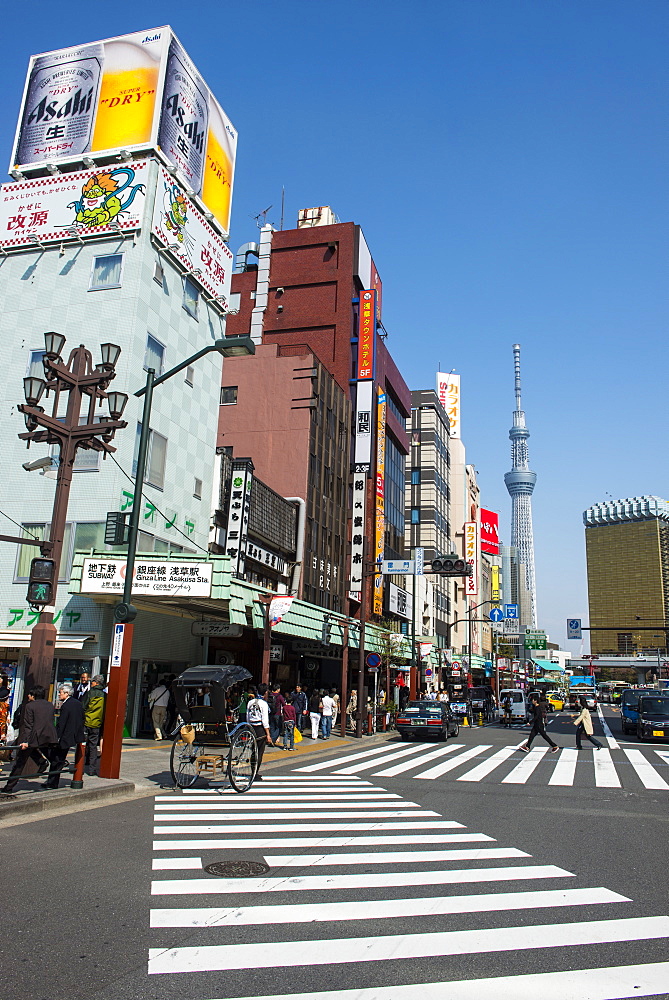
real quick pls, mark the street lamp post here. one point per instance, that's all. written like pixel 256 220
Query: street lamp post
pixel 469 630
pixel 125 613
pixel 79 428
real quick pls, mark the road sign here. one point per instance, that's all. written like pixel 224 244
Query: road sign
pixel 373 660
pixel 117 645
pixel 574 628
pixel 534 641
pixel 496 615
pixel 397 566
pixel 428 671
pixel 511 611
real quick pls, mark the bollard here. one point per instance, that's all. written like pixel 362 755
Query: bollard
pixel 79 759
pixel 370 724
pixel 480 719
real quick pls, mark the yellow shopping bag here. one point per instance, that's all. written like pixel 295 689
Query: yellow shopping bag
pixel 297 735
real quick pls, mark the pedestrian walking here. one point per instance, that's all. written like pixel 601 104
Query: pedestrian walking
pixel 158 700
pixel 94 714
pixel 300 704
pixel 4 706
pixel 37 735
pixel 583 723
pixel 69 730
pixel 315 712
pixel 289 723
pixel 327 709
pixel 538 728
pixel 337 706
pixel 276 701
pixel 257 715
pixel 506 705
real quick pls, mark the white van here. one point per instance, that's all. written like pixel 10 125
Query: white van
pixel 519 706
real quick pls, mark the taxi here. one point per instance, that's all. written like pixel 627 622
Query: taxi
pixel 555 700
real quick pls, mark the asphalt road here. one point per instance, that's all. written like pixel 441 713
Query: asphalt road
pixel 385 897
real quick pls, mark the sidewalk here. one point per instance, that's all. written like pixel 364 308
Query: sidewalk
pixel 145 770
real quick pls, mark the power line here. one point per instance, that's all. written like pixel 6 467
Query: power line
pixel 21 526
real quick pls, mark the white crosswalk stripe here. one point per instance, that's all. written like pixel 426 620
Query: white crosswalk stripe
pixel 328 866
pixel 631 769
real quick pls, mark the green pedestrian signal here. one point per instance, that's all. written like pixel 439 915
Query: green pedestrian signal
pixel 41 582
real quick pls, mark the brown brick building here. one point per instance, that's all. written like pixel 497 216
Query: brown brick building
pixel 291 406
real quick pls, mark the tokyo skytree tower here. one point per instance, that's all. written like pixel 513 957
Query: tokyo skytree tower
pixel 520 483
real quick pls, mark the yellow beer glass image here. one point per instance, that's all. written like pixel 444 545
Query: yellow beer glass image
pixel 127 96
pixel 219 166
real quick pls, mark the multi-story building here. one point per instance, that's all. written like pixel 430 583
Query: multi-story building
pixel 297 292
pixel 627 552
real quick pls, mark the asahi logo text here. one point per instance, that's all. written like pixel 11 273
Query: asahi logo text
pixel 79 104
pixel 190 129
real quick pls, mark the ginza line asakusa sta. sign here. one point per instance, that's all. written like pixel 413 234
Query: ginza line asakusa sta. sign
pixel 125 613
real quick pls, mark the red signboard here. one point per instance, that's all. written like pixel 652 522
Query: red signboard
pixel 489 531
pixel 366 334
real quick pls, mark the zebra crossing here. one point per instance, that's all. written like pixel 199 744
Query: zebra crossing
pixel 379 903
pixel 618 767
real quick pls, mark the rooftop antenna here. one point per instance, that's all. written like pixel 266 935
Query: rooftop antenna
pixel 283 204
pixel 263 216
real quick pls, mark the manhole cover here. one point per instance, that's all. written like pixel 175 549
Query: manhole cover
pixel 237 869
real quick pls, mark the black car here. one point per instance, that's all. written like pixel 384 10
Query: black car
pixel 426 718
pixel 653 719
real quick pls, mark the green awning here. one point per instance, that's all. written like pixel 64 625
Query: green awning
pixel 548 665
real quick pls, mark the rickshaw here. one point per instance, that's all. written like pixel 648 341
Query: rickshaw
pixel 206 743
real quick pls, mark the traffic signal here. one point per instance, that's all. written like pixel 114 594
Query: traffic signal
pixel 452 565
pixel 41 581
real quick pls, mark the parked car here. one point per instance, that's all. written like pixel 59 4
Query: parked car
pixel 427 718
pixel 652 718
pixel 629 707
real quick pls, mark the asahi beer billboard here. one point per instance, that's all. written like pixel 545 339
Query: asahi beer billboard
pixel 132 92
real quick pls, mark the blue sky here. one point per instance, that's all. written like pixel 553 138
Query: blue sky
pixel 507 160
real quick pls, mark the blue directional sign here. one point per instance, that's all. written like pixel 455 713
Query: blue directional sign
pixel 496 615
pixel 511 611
pixel 574 628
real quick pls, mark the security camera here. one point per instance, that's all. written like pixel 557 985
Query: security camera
pixel 39 463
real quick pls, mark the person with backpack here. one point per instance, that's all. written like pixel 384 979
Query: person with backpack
pixel 257 716
pixel 94 714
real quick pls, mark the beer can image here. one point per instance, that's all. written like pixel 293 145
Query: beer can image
pixel 184 116
pixel 59 107
pixel 219 166
pixel 127 95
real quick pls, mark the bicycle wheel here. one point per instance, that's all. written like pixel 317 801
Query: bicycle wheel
pixel 182 761
pixel 242 758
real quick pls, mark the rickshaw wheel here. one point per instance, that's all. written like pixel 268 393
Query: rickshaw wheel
pixel 183 756
pixel 242 758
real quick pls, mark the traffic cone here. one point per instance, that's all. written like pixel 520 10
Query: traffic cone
pixel 465 721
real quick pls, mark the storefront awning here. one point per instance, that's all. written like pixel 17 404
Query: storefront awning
pixel 16 638
pixel 548 665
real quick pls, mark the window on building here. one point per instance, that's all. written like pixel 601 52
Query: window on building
pixel 415 477
pixel 106 272
pixel 415 515
pixel 35 366
pixel 79 536
pixel 154 355
pixel 190 375
pixel 197 489
pixel 155 459
pixel 228 394
pixel 191 297
pixel 159 273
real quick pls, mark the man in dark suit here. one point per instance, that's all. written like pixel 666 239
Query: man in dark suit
pixel 37 735
pixel 70 732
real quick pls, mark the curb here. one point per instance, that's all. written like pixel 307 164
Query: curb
pixel 60 798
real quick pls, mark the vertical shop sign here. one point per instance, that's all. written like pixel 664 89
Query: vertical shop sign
pixel 358 534
pixel 238 515
pixel 472 556
pixel 366 335
pixel 380 525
